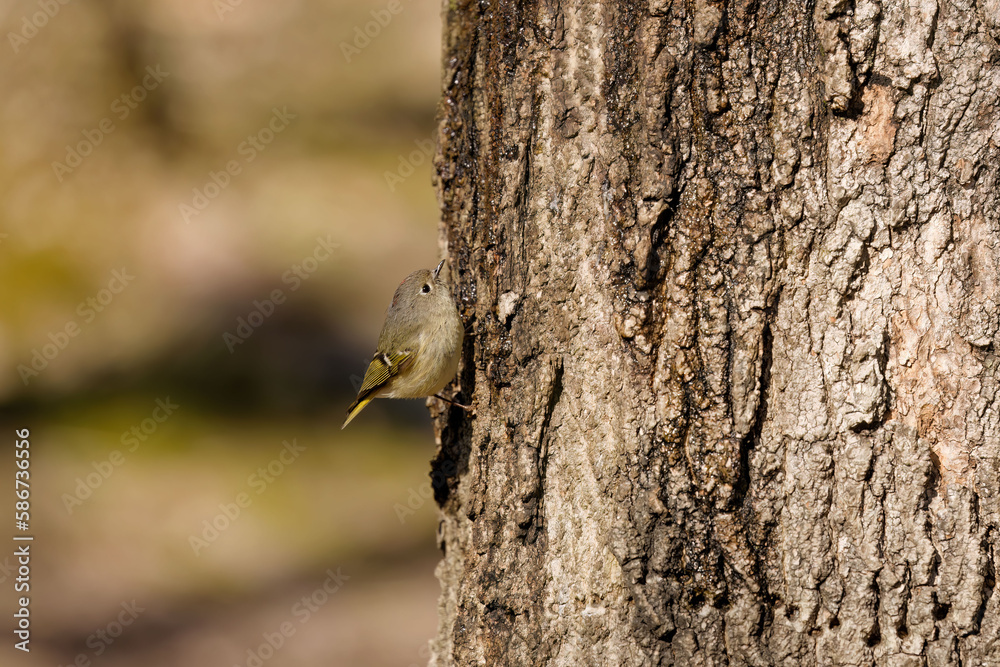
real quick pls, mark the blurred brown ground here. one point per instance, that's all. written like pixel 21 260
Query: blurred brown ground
pixel 216 72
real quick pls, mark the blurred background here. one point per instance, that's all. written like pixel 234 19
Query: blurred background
pixel 205 207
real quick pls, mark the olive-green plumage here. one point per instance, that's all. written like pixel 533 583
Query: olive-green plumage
pixel 420 344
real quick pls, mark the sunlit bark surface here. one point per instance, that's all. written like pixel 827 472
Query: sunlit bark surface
pixel 731 271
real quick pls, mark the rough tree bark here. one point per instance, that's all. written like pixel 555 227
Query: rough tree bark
pixel 732 270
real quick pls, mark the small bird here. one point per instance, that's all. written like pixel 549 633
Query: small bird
pixel 420 344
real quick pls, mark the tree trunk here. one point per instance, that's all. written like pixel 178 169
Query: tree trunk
pixel 732 271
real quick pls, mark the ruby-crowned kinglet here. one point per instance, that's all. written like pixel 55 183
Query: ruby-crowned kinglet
pixel 420 343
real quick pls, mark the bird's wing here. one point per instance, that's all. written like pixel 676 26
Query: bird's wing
pixel 384 366
pixel 381 370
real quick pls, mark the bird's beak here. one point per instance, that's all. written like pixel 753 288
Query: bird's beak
pixel 438 269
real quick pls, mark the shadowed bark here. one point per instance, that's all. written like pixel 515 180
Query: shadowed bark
pixel 732 271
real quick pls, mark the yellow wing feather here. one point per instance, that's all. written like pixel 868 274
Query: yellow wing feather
pixel 381 370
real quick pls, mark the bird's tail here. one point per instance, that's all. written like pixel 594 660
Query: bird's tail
pixel 356 407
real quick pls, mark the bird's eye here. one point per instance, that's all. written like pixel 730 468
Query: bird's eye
pixel 425 289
